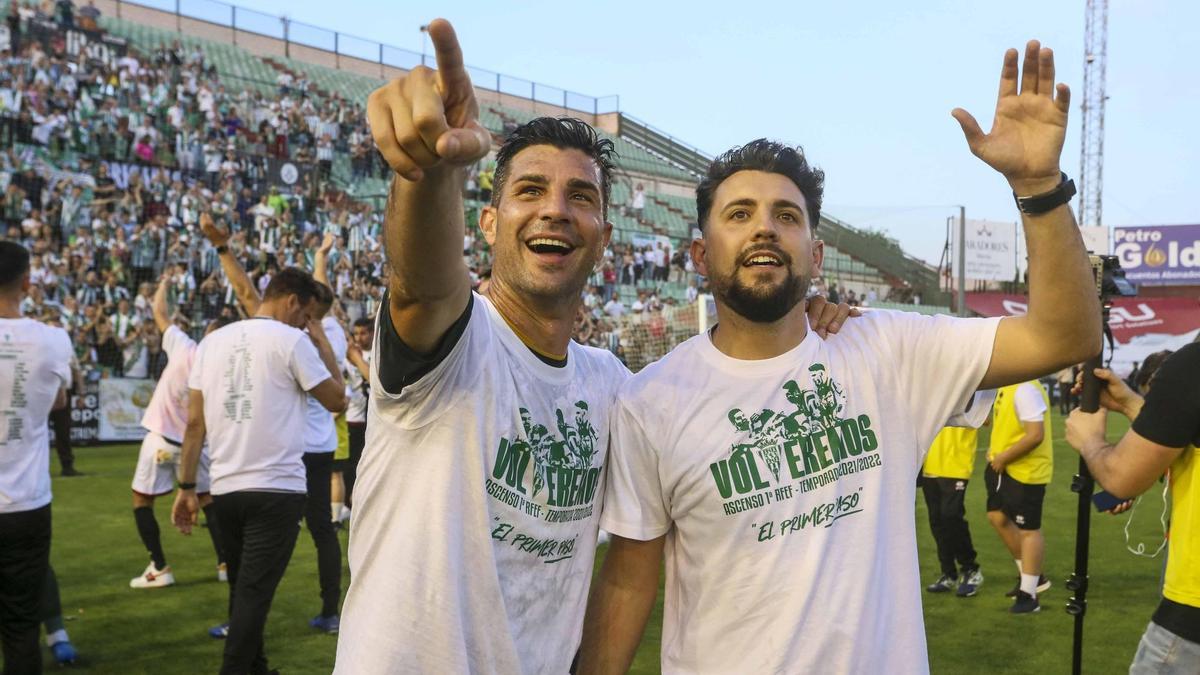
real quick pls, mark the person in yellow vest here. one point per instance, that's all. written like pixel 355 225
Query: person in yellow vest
pixel 1164 435
pixel 1020 464
pixel 944 478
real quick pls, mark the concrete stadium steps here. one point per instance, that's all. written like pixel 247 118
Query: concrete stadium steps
pixel 886 256
pixel 237 67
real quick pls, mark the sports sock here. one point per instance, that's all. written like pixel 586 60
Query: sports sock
pixel 1029 584
pixel 56 637
pixel 147 528
pixel 335 511
pixel 214 531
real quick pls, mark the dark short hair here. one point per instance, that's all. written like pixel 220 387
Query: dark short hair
pixel 771 157
pixel 293 281
pixel 14 263
pixel 565 133
pixel 1150 367
pixel 364 321
pixel 324 297
pixel 221 321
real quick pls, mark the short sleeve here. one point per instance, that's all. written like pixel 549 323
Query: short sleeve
pixel 976 412
pixel 1171 414
pixel 470 357
pixel 63 357
pixel 175 339
pixel 306 365
pixel 1029 403
pixel 634 504
pixel 399 366
pixel 944 358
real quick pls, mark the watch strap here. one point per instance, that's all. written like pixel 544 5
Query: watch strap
pixel 1047 201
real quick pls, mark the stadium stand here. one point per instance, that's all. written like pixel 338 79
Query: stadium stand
pixel 111 153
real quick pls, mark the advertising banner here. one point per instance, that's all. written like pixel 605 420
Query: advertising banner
pixel 289 175
pixel 1140 326
pixel 122 403
pixel 85 413
pixel 101 47
pixel 991 250
pixel 1159 256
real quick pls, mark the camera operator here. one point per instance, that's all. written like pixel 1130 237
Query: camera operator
pixel 1163 438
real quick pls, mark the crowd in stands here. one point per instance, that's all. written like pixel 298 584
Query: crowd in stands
pixel 108 165
pixel 182 144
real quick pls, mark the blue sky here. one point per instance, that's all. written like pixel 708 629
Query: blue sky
pixel 866 87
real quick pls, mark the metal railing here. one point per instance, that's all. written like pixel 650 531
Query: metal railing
pixel 668 147
pixel 292 32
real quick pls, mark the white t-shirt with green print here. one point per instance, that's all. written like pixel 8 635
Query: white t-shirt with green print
pixel 786 490
pixel 476 507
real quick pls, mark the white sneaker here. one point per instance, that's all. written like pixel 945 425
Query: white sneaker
pixel 153 578
pixel 222 572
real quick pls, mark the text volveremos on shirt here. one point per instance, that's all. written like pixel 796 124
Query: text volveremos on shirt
pixel 476 508
pixel 786 489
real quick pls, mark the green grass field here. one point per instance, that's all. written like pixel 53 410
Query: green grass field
pixel 119 630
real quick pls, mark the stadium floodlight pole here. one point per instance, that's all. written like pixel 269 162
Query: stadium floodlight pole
pixel 424 39
pixel 962 260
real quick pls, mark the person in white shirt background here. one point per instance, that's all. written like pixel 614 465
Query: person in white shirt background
pixel 35 372
pixel 158 460
pixel 248 393
pixel 320 431
pixel 358 356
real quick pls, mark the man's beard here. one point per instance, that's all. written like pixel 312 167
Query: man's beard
pixel 761 303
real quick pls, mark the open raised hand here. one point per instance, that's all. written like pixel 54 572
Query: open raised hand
pixel 429 117
pixel 1030 125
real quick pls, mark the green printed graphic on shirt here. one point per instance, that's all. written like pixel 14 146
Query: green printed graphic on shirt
pixel 783 453
pixel 549 474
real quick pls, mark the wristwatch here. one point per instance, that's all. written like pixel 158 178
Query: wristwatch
pixel 187 486
pixel 222 249
pixel 1047 201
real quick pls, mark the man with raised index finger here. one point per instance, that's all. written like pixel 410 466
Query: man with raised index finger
pixel 478 492
pixel 795 551
pixel 470 553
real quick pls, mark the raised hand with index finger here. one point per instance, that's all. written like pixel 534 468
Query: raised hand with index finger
pixel 1030 124
pixel 429 117
pixel 213 232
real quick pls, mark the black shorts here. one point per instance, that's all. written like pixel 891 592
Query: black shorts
pixel 1020 502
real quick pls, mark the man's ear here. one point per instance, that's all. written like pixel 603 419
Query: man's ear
pixel 698 252
pixel 487 224
pixel 606 239
pixel 818 260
